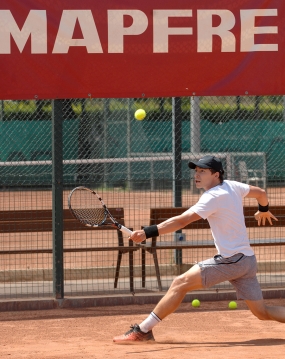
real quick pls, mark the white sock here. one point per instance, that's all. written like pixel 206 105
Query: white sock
pixel 149 322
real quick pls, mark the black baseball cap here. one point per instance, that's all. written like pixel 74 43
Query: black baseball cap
pixel 208 162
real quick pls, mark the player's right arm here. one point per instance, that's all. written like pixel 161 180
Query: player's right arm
pixel 170 225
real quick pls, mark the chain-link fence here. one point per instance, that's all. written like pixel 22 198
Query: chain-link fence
pixel 136 165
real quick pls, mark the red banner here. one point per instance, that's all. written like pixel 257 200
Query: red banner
pixel 158 48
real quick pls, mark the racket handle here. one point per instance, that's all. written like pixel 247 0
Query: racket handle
pixel 125 230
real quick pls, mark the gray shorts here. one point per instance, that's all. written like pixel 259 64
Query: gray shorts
pixel 239 270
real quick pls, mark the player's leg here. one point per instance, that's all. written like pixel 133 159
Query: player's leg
pixel 187 282
pixel 190 280
pixel 248 288
pixel 266 312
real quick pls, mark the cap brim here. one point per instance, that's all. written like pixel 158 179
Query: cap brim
pixel 194 164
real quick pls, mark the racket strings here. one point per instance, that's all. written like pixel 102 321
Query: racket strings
pixel 91 216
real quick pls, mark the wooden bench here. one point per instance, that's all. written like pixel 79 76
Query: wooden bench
pixel 158 215
pixel 20 221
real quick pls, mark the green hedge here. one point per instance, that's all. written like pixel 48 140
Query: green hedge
pixel 156 110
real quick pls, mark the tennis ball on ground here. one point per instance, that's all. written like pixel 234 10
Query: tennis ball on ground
pixel 196 303
pixel 232 305
pixel 140 114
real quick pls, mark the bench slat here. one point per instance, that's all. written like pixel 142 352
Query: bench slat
pixel 41 221
pixel 121 249
pixel 46 226
pixel 37 214
pixel 207 244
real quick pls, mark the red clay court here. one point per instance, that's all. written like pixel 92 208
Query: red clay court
pixel 209 332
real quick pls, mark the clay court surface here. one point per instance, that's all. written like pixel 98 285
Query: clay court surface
pixel 211 331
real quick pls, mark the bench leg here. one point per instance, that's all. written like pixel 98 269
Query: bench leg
pixel 156 266
pixel 119 259
pixel 155 260
pixel 143 267
pixel 131 262
pixel 131 268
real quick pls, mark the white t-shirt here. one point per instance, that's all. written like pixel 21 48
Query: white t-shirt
pixel 222 206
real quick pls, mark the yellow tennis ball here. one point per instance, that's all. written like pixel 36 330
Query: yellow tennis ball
pixel 232 305
pixel 196 303
pixel 140 114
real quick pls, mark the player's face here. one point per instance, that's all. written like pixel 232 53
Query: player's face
pixel 205 179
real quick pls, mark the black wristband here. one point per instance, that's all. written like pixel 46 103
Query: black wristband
pixel 151 231
pixel 263 208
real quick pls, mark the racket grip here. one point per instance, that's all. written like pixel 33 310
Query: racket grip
pixel 125 230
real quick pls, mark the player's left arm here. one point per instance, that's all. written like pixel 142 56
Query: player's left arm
pixel 263 212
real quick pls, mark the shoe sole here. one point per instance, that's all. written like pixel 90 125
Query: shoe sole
pixel 134 342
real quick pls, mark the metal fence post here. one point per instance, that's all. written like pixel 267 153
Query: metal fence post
pixel 195 133
pixel 106 117
pixel 177 162
pixel 57 198
pixel 195 125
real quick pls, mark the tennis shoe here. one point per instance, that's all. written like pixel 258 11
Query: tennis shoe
pixel 134 336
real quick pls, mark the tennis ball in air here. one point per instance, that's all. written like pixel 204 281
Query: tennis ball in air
pixel 140 114
pixel 196 303
pixel 232 305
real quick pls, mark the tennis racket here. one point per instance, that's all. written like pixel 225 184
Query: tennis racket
pixel 89 209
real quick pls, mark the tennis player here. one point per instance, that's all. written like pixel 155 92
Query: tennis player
pixel 222 205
